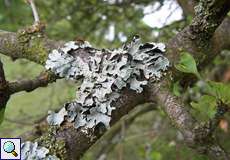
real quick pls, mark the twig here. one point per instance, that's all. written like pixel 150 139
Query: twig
pixel 34 10
pixel 169 16
pixel 29 85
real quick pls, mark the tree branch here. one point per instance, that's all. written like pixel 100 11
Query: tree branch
pixel 73 137
pixel 220 39
pixel 28 44
pixel 106 143
pixel 29 85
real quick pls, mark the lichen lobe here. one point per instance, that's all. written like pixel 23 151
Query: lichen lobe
pixel 31 150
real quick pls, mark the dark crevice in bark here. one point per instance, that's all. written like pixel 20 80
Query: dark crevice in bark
pixel 4 94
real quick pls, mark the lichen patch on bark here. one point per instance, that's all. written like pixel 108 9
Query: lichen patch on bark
pixel 104 73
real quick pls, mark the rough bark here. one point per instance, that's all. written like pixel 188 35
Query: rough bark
pixel 108 142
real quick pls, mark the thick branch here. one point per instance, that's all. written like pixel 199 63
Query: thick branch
pixel 220 39
pixel 199 38
pixel 77 141
pixel 107 142
pixel 27 44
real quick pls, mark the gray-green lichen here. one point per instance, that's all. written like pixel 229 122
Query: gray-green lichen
pixel 105 73
pixel 31 151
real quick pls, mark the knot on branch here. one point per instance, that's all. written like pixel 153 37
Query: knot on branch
pixel 31 32
pixel 105 74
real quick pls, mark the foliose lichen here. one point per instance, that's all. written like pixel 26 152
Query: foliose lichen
pixel 104 74
pixel 31 150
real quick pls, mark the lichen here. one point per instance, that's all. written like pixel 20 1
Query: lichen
pixel 104 73
pixel 31 150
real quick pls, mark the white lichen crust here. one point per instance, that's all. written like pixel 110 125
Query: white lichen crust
pixel 104 73
pixel 31 151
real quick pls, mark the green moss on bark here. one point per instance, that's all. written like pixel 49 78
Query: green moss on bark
pixel 32 45
pixel 56 147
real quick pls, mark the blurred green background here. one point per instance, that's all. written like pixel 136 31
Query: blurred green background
pixel 104 24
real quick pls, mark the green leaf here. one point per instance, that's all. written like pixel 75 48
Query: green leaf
pixel 156 155
pixel 206 106
pixel 219 90
pixel 176 89
pixel 187 64
pixel 2 111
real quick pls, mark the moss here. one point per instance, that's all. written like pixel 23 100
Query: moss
pixel 32 45
pixel 37 51
pixel 56 146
